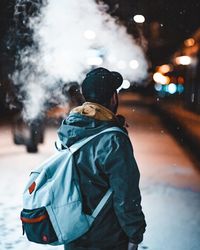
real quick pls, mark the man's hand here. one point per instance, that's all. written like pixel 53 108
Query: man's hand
pixel 132 246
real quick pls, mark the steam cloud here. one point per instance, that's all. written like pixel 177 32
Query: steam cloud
pixel 73 36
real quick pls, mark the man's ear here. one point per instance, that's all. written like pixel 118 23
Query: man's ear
pixel 114 102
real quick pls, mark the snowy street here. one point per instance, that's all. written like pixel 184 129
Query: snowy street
pixel 56 55
pixel 170 184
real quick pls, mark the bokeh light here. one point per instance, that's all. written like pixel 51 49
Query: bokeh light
pixel 172 88
pixel 134 64
pixel 139 18
pixel 183 60
pixel 90 34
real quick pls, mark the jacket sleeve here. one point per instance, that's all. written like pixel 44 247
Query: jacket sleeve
pixel 123 173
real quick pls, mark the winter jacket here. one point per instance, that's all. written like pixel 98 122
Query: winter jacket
pixel 105 162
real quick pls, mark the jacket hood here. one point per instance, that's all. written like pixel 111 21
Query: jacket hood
pixel 84 121
pixel 95 111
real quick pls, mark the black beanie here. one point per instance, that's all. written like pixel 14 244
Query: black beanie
pixel 100 85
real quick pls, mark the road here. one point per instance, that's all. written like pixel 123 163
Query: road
pixel 170 183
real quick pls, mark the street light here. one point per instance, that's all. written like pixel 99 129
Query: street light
pixel 183 60
pixel 158 87
pixel 126 84
pixel 139 18
pixel 165 68
pixel 160 78
pixel 189 42
pixel 172 88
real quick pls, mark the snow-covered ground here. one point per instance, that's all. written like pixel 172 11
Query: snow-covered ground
pixel 15 167
pixel 170 185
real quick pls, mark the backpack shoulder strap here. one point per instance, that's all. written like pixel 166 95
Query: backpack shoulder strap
pixel 79 144
pixel 109 192
pixel 102 203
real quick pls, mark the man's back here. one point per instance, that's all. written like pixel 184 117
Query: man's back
pixel 107 161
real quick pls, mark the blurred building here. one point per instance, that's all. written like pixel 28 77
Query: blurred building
pixel 187 61
pixel 181 75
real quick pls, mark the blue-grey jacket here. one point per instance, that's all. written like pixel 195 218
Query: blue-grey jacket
pixel 106 161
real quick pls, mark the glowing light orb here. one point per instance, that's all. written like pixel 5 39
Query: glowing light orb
pixel 180 88
pixel 90 34
pixel 183 60
pixel 126 84
pixel 159 78
pixel 158 87
pixel 189 42
pixel 165 68
pixel 172 88
pixel 139 18
pixel 134 64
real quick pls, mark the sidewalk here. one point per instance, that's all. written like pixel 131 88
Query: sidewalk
pixel 183 123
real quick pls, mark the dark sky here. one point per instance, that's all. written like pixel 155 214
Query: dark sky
pixel 6 9
pixel 178 18
pixel 182 16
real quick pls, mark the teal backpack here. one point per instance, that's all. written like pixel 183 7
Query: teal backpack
pixel 52 200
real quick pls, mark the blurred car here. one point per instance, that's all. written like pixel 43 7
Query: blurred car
pixel 31 133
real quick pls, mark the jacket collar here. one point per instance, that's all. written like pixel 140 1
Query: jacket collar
pixel 95 111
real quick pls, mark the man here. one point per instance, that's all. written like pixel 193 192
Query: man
pixel 105 162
